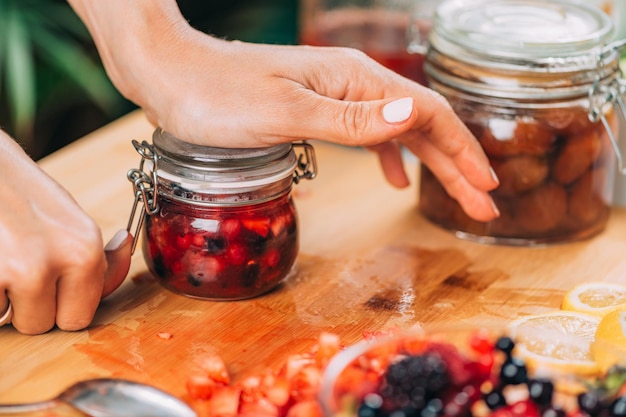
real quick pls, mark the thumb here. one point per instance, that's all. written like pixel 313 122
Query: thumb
pixel 367 122
pixel 118 256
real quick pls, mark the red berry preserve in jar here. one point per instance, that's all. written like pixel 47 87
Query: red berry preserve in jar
pixel 218 224
pixel 536 82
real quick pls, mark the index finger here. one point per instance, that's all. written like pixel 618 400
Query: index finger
pixel 442 127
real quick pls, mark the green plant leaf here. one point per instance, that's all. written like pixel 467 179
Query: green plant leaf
pixel 68 57
pixel 56 17
pixel 19 72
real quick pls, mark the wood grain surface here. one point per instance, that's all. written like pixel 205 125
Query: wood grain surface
pixel 368 261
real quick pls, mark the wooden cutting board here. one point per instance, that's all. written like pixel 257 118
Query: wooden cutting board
pixel 368 261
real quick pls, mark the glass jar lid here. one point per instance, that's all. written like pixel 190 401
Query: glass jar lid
pixel 538 34
pixel 203 167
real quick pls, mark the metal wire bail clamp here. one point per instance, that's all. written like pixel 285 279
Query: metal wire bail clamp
pixel 144 188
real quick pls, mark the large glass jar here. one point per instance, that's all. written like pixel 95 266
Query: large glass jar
pixel 218 224
pixel 536 83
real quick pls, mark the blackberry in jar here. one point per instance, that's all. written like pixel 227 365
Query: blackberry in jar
pixel 218 224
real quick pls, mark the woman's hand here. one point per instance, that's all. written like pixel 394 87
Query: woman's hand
pixel 54 267
pixel 233 94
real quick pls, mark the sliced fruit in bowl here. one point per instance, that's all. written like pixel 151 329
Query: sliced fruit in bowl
pixel 556 342
pixel 456 373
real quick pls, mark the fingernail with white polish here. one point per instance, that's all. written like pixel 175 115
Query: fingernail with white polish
pixel 495 208
pixel 398 110
pixel 493 175
pixel 117 240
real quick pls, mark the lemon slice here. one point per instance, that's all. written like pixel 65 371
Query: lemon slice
pixel 559 341
pixel 609 346
pixel 597 298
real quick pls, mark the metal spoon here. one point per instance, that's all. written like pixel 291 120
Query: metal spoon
pixel 111 398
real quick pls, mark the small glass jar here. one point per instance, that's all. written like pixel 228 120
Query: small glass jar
pixel 218 224
pixel 536 82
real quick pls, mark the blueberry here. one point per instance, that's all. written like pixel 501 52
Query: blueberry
pixel 495 399
pixel 371 406
pixel 159 266
pixel 513 372
pixel 505 344
pixel 215 245
pixel 540 391
pixel 553 411
pixel 250 275
pixel 618 408
pixel 434 408
pixel 590 403
pixel 193 280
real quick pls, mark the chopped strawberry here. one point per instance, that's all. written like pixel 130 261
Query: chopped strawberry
pixel 294 363
pixel 200 387
pixel 259 225
pixel 164 335
pixel 215 368
pixel 250 388
pixel 305 409
pixel 328 346
pixel 261 407
pixel 225 402
pixel 357 381
pixel 275 388
pixel 305 384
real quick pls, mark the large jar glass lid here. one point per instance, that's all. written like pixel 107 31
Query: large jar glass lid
pixel 521 29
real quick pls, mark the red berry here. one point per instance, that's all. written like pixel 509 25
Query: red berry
pixel 236 254
pixel 259 225
pixel 481 342
pixel 230 228
pixel 183 242
pixel 271 258
pixel 198 240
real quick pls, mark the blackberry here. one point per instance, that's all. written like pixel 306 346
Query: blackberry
pixel 415 380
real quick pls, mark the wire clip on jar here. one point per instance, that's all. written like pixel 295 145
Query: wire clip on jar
pixel 537 83
pixel 217 223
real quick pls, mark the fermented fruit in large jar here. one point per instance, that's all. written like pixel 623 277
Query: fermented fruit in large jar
pixel 555 182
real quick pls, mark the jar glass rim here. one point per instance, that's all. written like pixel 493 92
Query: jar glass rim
pixel 207 168
pixel 522 30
